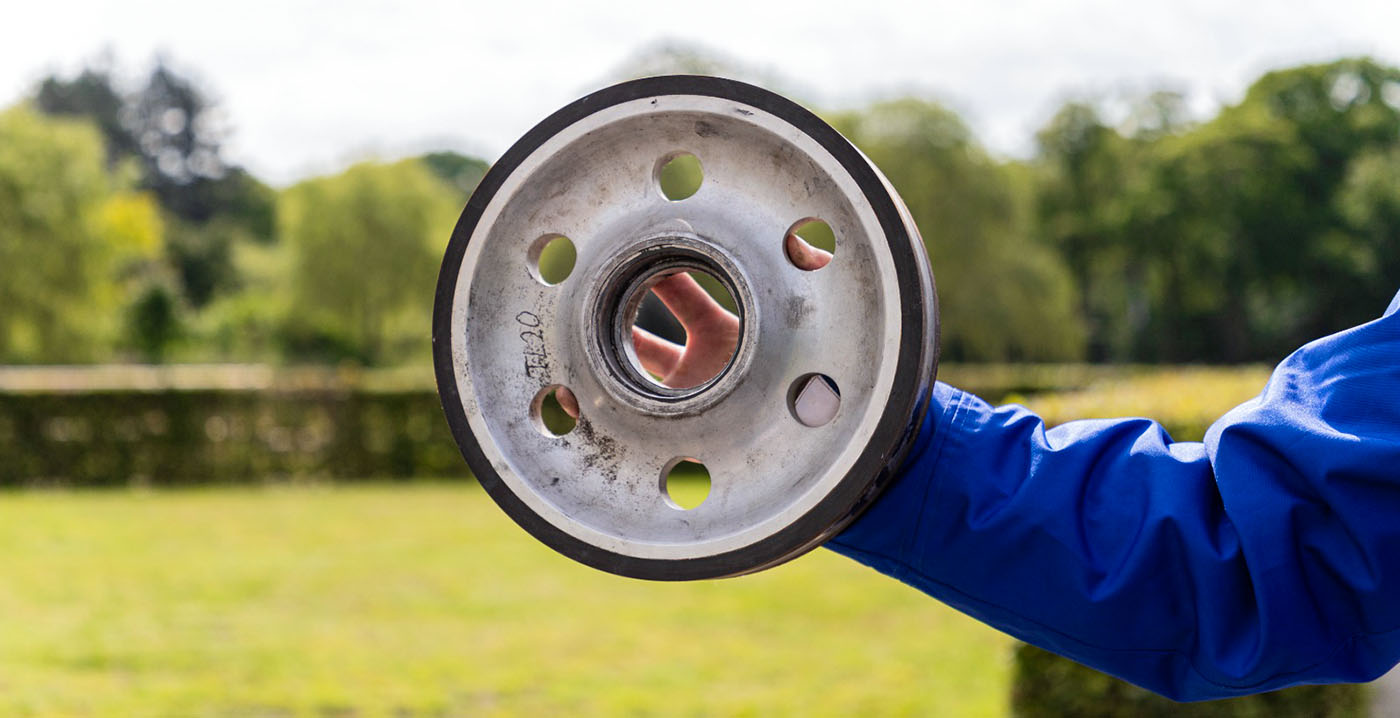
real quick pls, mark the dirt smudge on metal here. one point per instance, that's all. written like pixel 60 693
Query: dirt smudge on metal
pixel 797 312
pixel 603 453
pixel 705 129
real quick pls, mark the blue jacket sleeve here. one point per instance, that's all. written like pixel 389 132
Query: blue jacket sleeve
pixel 1267 556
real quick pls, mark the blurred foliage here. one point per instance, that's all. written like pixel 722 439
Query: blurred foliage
pixel 556 421
pixel 154 321
pixel 680 176
pixel 1186 400
pixel 1001 382
pixel 365 247
pixel 1136 233
pixel 165 137
pixel 121 426
pixel 246 325
pixel 1002 296
pixel 1236 239
pixel 1048 686
pixel 91 94
pixel 1368 204
pixel 70 240
pixel 556 259
pixel 169 127
pixel 816 233
pixel 459 171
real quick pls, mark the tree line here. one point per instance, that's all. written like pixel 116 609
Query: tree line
pixel 1134 232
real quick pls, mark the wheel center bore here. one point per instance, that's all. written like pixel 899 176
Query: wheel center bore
pixel 627 280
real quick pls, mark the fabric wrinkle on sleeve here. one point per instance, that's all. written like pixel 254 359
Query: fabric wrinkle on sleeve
pixel 1267 555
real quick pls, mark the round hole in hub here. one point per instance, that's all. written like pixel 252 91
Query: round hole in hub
pixel 685 483
pixel 681 260
pixel 548 412
pixel 814 399
pixel 551 258
pixel 683 328
pixel 679 176
pixel 809 244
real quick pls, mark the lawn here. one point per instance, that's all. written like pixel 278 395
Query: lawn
pixel 424 600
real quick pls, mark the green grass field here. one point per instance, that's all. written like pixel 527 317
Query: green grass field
pixel 424 600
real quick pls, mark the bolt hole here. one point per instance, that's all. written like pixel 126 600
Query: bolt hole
pixel 813 246
pixel 814 399
pixel 685 483
pixel 680 176
pixel 552 258
pixel 548 413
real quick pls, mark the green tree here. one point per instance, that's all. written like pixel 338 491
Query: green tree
pixel 68 241
pixel 1002 296
pixel 1079 205
pixel 1228 240
pixel 460 172
pixel 1369 203
pixel 213 204
pixel 365 245
pixel 1342 113
pixel 1100 205
pixel 92 95
pixel 171 132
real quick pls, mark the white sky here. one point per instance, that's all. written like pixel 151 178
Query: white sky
pixel 309 87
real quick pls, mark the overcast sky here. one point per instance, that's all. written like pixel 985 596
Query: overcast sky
pixel 308 87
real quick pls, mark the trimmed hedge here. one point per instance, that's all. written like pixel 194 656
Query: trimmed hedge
pixel 196 424
pixel 1185 399
pixel 1048 686
pixel 177 426
pixel 189 424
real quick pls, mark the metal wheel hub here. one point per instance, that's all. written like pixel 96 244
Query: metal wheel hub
pixel 865 324
pixel 626 278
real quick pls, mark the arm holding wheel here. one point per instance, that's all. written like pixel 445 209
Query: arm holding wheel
pixel 1266 556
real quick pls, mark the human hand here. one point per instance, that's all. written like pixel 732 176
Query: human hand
pixel 711 331
pixel 803 255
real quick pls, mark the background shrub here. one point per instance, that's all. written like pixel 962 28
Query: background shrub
pixel 1048 686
